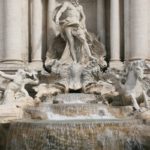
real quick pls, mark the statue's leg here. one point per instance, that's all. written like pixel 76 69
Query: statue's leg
pixel 134 102
pixel 82 38
pixel 146 100
pixel 23 90
pixel 70 39
pixel 85 45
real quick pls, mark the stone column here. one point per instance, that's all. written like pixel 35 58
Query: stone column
pixel 25 30
pixel 51 31
pixel 114 33
pixel 101 20
pixel 149 36
pixel 139 18
pixel 126 28
pixel 15 31
pixel 1 30
pixel 36 32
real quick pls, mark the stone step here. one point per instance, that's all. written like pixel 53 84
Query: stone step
pixel 10 112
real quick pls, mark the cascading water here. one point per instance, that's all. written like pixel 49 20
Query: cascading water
pixel 78 126
pixel 77 135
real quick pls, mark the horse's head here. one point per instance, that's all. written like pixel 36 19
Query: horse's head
pixel 21 73
pixel 138 68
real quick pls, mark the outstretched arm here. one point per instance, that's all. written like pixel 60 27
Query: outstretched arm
pixel 7 76
pixel 31 81
pixel 60 11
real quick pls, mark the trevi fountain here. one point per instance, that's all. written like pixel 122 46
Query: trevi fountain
pixel 77 94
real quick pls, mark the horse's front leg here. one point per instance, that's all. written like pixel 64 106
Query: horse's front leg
pixel 145 99
pixel 134 101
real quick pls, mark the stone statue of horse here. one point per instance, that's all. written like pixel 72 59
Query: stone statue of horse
pixel 132 87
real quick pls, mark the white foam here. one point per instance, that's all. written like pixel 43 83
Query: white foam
pixel 52 116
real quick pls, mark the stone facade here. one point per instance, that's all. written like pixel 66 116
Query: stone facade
pixel 27 29
pixel 53 69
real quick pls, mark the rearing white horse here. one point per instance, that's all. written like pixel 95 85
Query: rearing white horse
pixel 133 87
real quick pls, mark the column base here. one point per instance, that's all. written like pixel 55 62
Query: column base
pixel 116 64
pixel 11 66
pixel 36 65
pixel 148 61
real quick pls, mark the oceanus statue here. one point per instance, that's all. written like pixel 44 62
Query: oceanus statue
pixel 74 48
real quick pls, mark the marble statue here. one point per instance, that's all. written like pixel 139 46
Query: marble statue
pixel 16 87
pixel 71 19
pixel 78 58
pixel 46 91
pixel 131 83
pixel 74 49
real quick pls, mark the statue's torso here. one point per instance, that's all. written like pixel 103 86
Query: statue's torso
pixel 71 15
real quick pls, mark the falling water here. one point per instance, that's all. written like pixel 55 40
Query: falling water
pixel 78 126
pixel 77 111
pixel 78 135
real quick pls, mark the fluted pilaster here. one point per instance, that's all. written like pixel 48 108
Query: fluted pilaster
pixel 114 33
pixel 36 30
pixel 2 30
pixel 15 31
pixel 139 10
pixel 126 28
pixel 101 20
